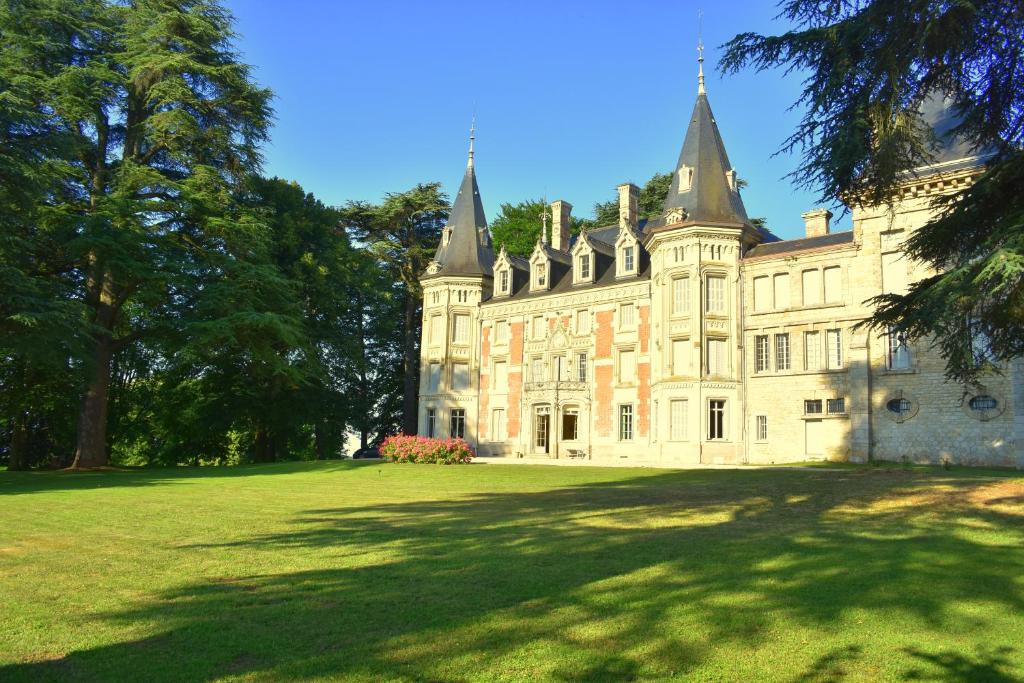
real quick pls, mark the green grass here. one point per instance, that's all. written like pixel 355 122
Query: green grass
pixel 417 572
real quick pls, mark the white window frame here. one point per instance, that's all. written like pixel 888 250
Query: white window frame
pixel 715 297
pixel 834 349
pixel 678 414
pixel 627 322
pixel 431 423
pixel 501 332
pixel 460 334
pixel 497 424
pixel 457 417
pixel 717 407
pixel 898 350
pixel 681 295
pixel 761 428
pixel 583 263
pixel 783 352
pixel 762 357
pixel 812 362
pixel 581 366
pixel 626 417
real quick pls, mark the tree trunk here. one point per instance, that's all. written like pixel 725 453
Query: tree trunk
pixel 319 441
pixel 411 363
pixel 263 450
pixel 19 443
pixel 91 448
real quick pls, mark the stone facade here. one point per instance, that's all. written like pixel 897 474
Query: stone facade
pixel 698 338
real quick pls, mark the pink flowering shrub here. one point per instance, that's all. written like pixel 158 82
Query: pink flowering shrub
pixel 424 449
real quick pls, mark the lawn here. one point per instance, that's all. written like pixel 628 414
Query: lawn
pixel 366 571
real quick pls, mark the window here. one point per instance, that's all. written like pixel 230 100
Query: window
pixel 498 424
pixel 537 369
pixel 626 315
pixel 812 287
pixel 434 378
pixel 503 281
pixel 460 329
pixel 431 422
pixel 570 424
pixel 500 383
pixel 782 351
pixel 981 403
pixel 812 407
pixel 762 428
pixel 436 335
pixel 460 376
pixel 677 419
pixel 680 296
pixel 836 406
pixel 716 359
pixel 716 294
pixel 582 322
pixel 581 367
pixel 716 419
pixel 584 264
pixel 501 332
pixel 781 288
pixel 761 353
pixel 762 294
pixel 812 351
pixel 626 423
pixel 628 262
pixel 833 285
pixel 894 273
pixel 542 274
pixel 900 406
pixel 899 351
pixel 458 424
pixel 537 331
pixel 834 342
pixel 627 366
pixel 680 356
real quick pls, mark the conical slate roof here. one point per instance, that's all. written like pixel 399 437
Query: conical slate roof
pixel 938 111
pixel 469 250
pixel 710 198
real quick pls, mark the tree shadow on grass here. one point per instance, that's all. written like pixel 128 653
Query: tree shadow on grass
pixel 651 577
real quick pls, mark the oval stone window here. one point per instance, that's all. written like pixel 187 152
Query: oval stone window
pixel 900 406
pixel 981 403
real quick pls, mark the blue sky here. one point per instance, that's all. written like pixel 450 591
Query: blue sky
pixel 571 98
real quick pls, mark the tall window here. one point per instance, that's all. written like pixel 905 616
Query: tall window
pixel 834 343
pixel 762 293
pixel 460 376
pixel 538 327
pixel 717 361
pixel 762 427
pixel 500 376
pixel 431 422
pixel 627 315
pixel 584 261
pixel 436 329
pixel 680 356
pixel 460 329
pixel 498 424
pixel 582 322
pixel 781 287
pixel 680 296
pixel 833 284
pixel 812 350
pixel 677 419
pixel 458 424
pixel 626 423
pixel 434 379
pixel 812 287
pixel 570 424
pixel 501 332
pixel 503 281
pixel 628 261
pixel 782 351
pixel 716 294
pixel 899 351
pixel 581 367
pixel 716 419
pixel 542 275
pixel 761 353
pixel 537 370
pixel 627 366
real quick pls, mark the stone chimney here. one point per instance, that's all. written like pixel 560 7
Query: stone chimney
pixel 816 221
pixel 560 212
pixel 629 200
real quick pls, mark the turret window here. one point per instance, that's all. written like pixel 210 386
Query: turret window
pixel 460 329
pixel 716 294
pixel 680 296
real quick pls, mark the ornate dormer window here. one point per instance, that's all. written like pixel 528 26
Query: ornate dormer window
pixel 675 215
pixel 627 254
pixel 583 262
pixel 504 281
pixel 685 178
pixel 540 269
pixel 541 275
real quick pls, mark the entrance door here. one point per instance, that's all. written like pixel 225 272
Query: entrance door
pixel 542 431
pixel 814 446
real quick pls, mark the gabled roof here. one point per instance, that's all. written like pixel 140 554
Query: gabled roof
pixel 710 198
pixel 469 250
pixel 833 239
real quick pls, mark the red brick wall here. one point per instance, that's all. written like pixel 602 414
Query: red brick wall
pixel 483 424
pixel 603 400
pixel 604 334
pixel 515 378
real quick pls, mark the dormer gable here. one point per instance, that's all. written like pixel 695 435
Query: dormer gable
pixel 584 261
pixel 540 269
pixel 509 273
pixel 627 253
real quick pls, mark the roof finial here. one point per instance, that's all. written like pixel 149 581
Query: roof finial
pixel 472 136
pixel 544 216
pixel 700 52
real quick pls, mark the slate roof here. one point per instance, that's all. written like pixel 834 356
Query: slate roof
pixel 469 250
pixel 833 239
pixel 709 197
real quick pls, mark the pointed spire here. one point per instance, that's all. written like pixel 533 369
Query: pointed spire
pixel 468 251
pixel 700 52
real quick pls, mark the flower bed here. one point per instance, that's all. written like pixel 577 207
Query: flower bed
pixel 424 449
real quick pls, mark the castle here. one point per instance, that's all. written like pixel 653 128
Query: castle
pixel 696 337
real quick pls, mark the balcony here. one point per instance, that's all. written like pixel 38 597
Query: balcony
pixel 560 385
